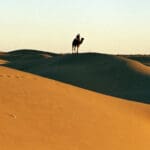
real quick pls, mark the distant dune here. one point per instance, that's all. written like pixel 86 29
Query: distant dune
pixel 145 59
pixel 39 113
pixel 112 75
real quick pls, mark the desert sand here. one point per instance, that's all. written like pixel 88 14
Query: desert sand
pixel 64 102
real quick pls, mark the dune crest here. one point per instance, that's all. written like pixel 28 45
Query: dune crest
pixel 112 75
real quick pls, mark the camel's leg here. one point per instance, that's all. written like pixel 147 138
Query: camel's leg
pixel 72 49
pixel 77 49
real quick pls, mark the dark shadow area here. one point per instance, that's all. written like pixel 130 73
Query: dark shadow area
pixel 107 74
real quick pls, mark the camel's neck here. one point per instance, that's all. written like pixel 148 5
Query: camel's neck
pixel 81 41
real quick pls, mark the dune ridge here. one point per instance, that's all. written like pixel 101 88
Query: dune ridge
pixel 145 59
pixel 112 75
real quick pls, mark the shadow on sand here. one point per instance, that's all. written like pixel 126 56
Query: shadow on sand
pixel 107 74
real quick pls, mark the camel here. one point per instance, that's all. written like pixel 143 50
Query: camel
pixel 76 43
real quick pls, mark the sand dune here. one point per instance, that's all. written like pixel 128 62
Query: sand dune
pixel 145 59
pixel 42 114
pixel 108 74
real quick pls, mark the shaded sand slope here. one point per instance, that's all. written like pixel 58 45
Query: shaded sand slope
pixel 108 74
pixel 42 114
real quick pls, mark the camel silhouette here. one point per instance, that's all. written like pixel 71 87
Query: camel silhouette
pixel 76 43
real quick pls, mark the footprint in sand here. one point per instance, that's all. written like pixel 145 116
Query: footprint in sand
pixel 16 76
pixel 12 115
pixel 8 76
pixel 11 76
pixel 3 75
pixel 19 77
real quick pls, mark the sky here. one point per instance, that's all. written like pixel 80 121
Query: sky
pixel 108 26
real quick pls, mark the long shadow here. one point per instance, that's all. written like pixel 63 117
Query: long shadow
pixel 107 74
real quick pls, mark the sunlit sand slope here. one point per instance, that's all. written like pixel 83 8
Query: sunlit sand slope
pixel 42 114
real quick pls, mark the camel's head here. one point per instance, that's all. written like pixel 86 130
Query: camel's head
pixel 82 39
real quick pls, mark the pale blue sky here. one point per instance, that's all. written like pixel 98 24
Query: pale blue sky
pixel 109 26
